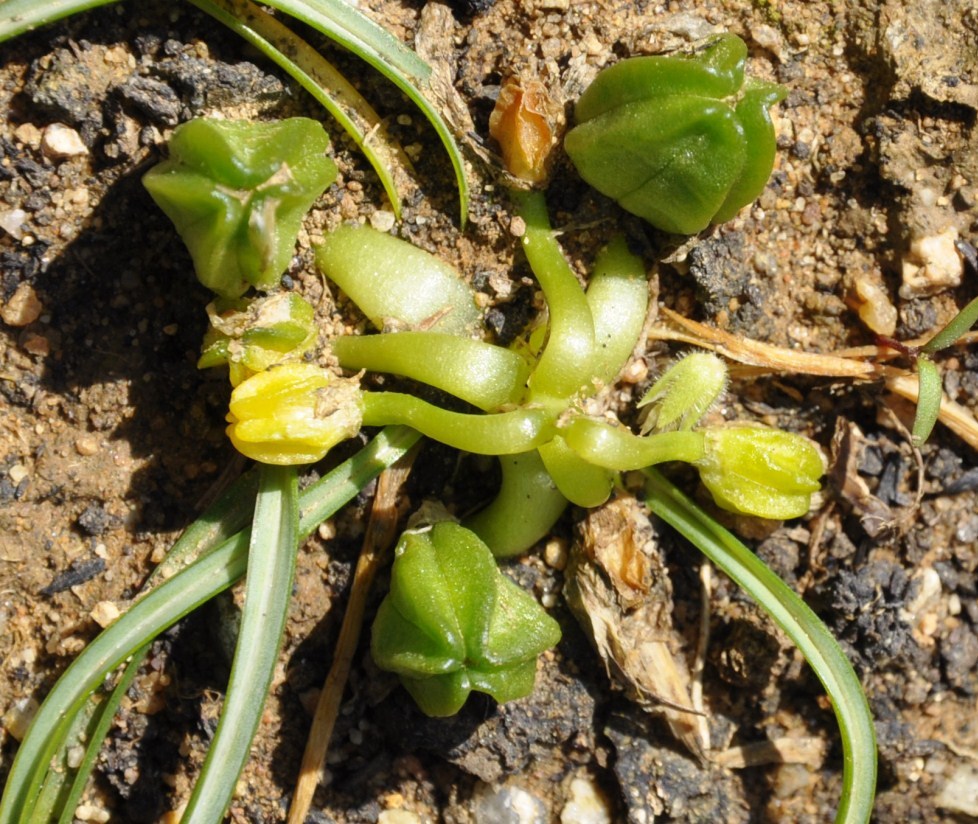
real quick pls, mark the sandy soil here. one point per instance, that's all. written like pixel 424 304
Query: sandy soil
pixel 110 439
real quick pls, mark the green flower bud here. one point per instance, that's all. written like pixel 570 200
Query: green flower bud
pixel 684 392
pixel 237 192
pixel 453 623
pixel 293 414
pixel 671 141
pixel 253 335
pixel 763 472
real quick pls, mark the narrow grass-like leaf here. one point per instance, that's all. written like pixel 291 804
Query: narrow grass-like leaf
pixel 802 625
pixel 928 400
pixel 955 328
pixel 19 16
pixel 325 83
pixel 57 783
pixel 272 553
pixel 215 570
pixel 345 25
pixel 97 728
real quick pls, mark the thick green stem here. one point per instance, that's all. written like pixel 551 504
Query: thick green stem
pixel 581 482
pixel 503 433
pixel 565 365
pixel 479 373
pixel 527 506
pixel 612 447
pixel 618 296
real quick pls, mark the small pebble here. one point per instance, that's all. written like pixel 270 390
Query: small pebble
pixel 960 794
pixel 28 134
pixel 12 222
pixel 91 812
pixel 86 445
pixel 555 553
pixel 23 308
pixel 18 718
pixel 104 613
pixel 587 804
pixel 17 473
pixel 507 805
pixel 35 344
pixel 74 756
pixel 931 265
pixel 59 141
pixel 382 220
pixel 398 817
pixel 874 307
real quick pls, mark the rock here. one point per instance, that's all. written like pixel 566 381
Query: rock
pixel 507 805
pixel 587 803
pixel 12 222
pixel 931 265
pixel 960 793
pixel 59 141
pixel 874 307
pixel 23 308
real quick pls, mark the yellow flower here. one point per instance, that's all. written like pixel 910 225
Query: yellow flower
pixel 293 414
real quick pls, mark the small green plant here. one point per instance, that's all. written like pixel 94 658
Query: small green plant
pixel 453 623
pixel 237 192
pixel 930 391
pixel 679 141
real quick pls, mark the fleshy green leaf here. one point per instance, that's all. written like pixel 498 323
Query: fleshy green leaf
pixel 447 598
pixel 237 192
pixel 395 283
pixel 666 138
pixel 480 373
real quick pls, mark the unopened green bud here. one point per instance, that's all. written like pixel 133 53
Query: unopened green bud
pixel 684 393
pixel 237 192
pixel 763 472
pixel 253 335
pixel 453 623
pixel 293 414
pixel 679 141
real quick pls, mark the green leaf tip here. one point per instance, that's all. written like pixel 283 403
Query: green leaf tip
pixel 679 141
pixel 237 192
pixel 453 623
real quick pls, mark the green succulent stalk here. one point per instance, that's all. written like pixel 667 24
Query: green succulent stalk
pixel 453 623
pixel 524 510
pixel 679 141
pixel 486 376
pixel 237 192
